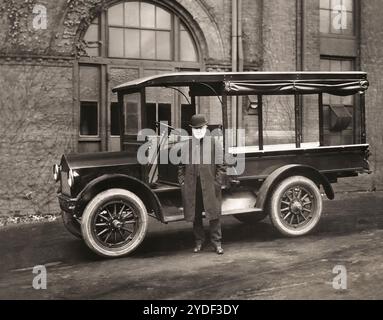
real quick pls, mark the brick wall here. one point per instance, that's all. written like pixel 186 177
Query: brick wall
pixel 17 35
pixel 279 35
pixel 35 130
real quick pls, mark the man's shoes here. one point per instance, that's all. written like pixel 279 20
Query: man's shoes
pixel 219 250
pixel 197 248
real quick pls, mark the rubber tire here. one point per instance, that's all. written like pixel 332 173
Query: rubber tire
pixel 71 224
pixel 91 209
pixel 250 218
pixel 274 206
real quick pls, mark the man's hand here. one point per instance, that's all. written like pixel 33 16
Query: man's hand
pixel 231 182
pixel 234 182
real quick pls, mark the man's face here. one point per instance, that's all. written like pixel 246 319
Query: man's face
pixel 199 133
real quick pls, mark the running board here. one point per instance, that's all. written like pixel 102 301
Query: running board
pixel 180 217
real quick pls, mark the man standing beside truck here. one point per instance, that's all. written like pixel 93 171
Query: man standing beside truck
pixel 201 177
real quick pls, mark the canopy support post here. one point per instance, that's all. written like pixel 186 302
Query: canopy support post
pixel 355 122
pixel 363 118
pixel 225 121
pixel 143 108
pixel 321 121
pixel 298 124
pixel 260 122
pixel 122 119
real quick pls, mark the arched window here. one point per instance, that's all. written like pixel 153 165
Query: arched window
pixel 129 40
pixel 140 30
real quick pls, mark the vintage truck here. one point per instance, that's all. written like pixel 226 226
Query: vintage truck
pixel 107 197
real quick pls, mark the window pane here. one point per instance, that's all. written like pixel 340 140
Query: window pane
pixel 335 65
pixel 115 15
pixel 163 45
pixel 148 44
pixel 132 113
pixel 325 4
pixel 164 115
pixel 92 33
pixel 336 22
pixel 347 65
pixel 89 118
pixel 187 47
pixel 335 4
pixel 349 24
pixel 132 43
pixel 132 14
pixel 147 15
pixel 349 4
pixel 140 30
pixel 336 99
pixel 163 19
pixel 115 119
pixel 132 118
pixel 116 42
pixel 348 100
pixel 326 99
pixel 324 21
pixel 91 38
pixel 325 65
pixel 341 17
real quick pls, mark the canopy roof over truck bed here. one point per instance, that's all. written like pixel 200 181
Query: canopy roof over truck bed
pixel 254 83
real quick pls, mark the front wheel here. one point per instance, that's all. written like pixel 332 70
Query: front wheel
pixel 114 223
pixel 296 206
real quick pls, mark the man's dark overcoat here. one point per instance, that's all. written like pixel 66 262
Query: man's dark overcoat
pixel 211 171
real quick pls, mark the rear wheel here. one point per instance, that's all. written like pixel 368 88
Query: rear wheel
pixel 114 223
pixel 71 224
pixel 296 206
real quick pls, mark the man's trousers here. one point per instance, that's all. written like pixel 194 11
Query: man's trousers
pixel 215 225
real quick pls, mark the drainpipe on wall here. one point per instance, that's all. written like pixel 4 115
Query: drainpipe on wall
pixel 234 35
pixel 240 65
pixel 301 53
pixel 234 62
pixel 300 34
pixel 240 44
pixel 237 58
pixel 303 36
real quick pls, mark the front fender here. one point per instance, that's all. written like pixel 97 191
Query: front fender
pixel 287 171
pixel 109 181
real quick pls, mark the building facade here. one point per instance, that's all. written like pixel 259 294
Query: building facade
pixel 59 60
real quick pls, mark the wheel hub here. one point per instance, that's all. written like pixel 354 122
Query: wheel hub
pixel 296 207
pixel 117 224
